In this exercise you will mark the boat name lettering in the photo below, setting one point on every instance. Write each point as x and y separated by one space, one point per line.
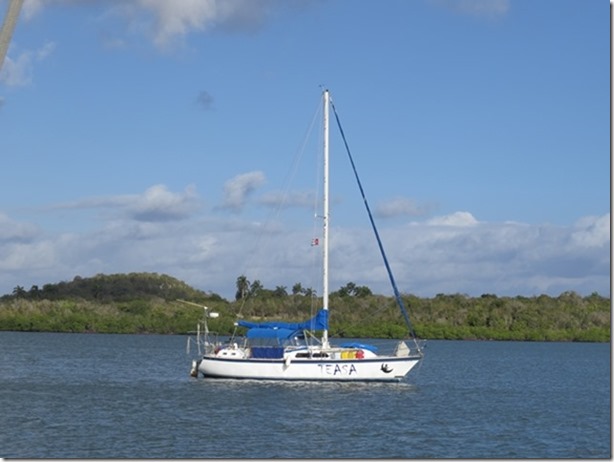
338 369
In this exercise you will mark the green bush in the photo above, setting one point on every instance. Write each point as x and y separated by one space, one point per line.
146 303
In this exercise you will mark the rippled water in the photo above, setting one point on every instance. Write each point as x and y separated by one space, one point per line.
130 396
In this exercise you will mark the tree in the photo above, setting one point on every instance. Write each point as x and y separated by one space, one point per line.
297 289
19 292
352 290
309 292
280 291
34 292
255 288
242 288
362 291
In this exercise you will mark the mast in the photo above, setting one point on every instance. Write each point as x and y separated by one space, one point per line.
325 101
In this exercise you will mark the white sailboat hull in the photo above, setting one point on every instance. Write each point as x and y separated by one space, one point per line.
384 369
276 350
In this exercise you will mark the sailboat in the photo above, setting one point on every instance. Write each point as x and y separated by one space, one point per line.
292 351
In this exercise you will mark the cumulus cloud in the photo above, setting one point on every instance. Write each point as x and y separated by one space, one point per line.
293 199
400 206
31 8
19 71
501 258
592 231
210 252
168 23
160 204
238 189
172 21
455 219
165 23
155 204
14 231
453 257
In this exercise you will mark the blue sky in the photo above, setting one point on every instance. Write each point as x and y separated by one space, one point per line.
151 135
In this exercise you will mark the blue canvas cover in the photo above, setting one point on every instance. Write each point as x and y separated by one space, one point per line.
268 343
318 322
279 334
268 352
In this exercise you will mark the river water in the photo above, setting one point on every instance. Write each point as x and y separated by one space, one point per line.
131 396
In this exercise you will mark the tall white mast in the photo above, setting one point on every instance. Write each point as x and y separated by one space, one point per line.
325 100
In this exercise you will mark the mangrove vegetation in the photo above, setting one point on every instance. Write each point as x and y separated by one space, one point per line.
151 303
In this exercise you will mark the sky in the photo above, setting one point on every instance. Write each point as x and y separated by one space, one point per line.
159 136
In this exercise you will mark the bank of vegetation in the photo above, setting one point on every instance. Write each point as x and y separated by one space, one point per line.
148 303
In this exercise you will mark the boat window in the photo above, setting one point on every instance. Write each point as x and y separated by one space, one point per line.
314 355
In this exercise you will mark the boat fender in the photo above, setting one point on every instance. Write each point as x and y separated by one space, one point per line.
287 361
360 354
194 371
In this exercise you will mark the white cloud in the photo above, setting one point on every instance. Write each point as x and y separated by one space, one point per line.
172 21
400 206
513 258
209 252
31 8
592 231
156 203
237 189
167 23
292 199
160 204
455 219
164 231
39 255
19 71
14 231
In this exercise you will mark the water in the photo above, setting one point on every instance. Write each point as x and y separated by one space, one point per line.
130 396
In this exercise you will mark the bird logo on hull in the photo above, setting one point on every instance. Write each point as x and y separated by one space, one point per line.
385 369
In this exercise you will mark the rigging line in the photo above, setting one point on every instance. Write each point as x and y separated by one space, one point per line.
275 213
315 267
297 158
379 241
